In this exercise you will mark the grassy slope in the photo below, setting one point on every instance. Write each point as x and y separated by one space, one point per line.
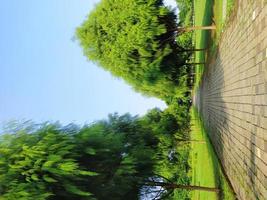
206 170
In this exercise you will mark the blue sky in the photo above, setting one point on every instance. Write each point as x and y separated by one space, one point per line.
43 73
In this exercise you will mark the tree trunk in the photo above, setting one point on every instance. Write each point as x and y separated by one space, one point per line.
188 141
191 187
188 50
200 63
187 29
186 187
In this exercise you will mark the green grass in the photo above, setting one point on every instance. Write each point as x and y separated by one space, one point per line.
208 12
203 172
203 15
206 170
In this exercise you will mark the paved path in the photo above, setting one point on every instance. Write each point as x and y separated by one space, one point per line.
233 100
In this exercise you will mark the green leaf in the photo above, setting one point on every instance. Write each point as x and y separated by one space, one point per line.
68 166
87 173
49 179
90 151
75 190
34 177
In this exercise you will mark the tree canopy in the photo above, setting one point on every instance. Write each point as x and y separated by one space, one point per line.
109 159
135 40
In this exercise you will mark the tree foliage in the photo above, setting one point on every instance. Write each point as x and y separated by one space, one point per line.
185 20
109 159
117 157
40 165
135 40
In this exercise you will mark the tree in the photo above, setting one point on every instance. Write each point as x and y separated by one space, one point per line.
135 40
40 165
169 178
108 159
123 155
192 28
159 187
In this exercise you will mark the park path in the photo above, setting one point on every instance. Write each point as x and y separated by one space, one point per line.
232 99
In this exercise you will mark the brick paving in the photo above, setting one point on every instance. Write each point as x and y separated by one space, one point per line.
232 99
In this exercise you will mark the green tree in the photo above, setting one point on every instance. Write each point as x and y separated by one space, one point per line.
135 40
109 159
40 165
121 151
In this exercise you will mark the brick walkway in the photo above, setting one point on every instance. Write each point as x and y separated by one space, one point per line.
233 100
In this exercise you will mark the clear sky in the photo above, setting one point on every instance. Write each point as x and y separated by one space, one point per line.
43 73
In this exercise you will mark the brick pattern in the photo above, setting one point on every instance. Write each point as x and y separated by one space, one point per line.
232 99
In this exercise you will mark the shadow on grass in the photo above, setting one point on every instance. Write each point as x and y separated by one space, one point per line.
220 180
203 38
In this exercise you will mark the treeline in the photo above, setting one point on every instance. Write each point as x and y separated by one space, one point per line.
117 158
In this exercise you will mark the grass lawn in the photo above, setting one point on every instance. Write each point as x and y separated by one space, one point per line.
209 12
203 16
206 170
